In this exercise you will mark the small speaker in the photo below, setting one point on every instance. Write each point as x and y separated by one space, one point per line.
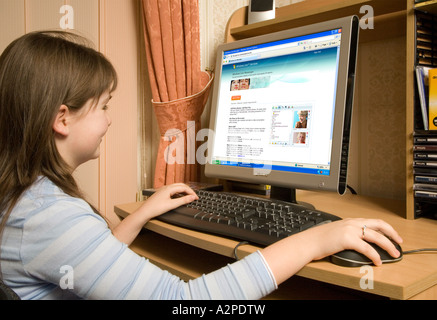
260 10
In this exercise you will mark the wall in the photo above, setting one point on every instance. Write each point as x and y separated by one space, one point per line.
214 15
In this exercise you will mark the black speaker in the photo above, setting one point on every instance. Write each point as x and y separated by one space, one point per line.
260 10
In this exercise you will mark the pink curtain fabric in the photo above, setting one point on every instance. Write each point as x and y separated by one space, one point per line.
179 88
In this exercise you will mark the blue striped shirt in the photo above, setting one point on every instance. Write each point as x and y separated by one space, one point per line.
55 247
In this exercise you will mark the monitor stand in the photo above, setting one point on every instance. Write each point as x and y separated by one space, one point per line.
276 192
287 194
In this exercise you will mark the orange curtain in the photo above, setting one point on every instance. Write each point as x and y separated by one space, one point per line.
179 88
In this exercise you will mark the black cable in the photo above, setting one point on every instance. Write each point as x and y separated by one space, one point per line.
420 250
352 190
236 247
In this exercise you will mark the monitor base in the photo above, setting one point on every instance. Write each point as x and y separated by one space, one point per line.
287 194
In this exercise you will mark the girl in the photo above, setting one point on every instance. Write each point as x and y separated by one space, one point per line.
54 91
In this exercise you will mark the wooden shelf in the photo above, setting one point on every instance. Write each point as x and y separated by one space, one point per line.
182 260
428 6
304 13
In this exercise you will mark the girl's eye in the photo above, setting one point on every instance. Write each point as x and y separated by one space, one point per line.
105 107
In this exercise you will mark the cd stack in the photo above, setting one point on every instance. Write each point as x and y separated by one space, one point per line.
425 119
425 173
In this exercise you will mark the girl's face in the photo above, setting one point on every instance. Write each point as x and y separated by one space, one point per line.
87 130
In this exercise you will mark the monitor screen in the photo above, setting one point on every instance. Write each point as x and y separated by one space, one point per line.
282 105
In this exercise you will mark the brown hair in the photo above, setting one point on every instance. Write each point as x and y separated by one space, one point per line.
39 72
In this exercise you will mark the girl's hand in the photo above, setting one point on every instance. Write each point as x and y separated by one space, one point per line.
168 198
161 201
289 255
349 234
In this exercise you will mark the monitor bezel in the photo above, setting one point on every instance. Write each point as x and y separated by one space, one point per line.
336 180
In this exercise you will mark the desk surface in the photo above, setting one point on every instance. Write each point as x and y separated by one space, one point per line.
413 277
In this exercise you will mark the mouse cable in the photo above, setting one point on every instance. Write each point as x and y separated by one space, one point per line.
420 250
236 247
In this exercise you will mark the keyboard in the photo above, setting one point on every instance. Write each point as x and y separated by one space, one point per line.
245 218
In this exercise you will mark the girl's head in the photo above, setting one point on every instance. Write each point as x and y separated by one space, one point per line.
40 73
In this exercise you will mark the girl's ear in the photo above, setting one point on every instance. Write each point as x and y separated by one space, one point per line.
60 125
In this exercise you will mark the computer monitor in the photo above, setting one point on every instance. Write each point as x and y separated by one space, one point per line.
282 106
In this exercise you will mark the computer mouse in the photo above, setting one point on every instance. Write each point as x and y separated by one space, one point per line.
352 258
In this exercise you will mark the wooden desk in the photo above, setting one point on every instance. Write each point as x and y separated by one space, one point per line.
195 253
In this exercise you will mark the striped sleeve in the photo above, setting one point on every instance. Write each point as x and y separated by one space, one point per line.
70 237
247 279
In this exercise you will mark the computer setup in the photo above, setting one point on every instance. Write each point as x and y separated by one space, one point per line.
281 113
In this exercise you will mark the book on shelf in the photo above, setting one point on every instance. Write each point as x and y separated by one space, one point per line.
425 138
425 174
425 116
432 113
423 90
425 156
425 179
429 195
426 164
425 148
425 190
425 187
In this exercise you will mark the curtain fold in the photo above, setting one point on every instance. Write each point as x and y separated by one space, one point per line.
179 88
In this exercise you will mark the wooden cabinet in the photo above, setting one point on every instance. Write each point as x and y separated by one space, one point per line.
381 162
